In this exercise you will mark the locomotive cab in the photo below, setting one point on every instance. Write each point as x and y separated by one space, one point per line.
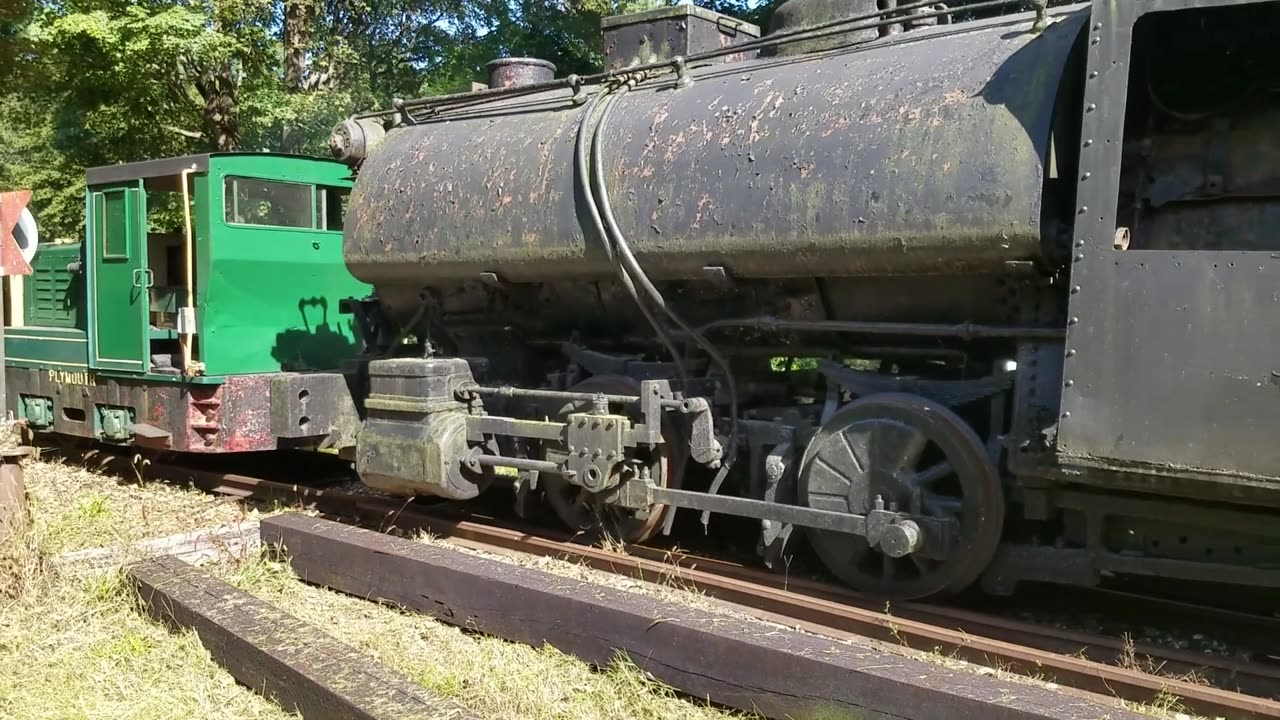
204 285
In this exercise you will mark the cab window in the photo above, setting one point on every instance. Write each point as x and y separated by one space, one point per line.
250 201
273 203
333 206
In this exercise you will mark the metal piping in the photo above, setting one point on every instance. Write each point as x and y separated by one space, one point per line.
827 29
507 391
527 464
189 366
964 331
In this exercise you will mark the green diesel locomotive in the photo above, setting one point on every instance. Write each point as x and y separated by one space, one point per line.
198 314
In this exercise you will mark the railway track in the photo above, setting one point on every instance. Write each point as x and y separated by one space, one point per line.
1212 686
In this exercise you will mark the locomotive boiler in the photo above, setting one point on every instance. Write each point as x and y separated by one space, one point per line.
947 289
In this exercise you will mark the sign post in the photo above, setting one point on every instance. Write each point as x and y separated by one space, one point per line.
13 504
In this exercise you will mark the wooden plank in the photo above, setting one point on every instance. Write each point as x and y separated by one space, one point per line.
732 661
287 660
196 547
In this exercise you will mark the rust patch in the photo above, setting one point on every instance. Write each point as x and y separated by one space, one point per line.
246 413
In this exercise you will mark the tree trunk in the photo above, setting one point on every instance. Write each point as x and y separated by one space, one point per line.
217 85
298 17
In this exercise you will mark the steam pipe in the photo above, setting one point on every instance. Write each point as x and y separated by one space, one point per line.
832 27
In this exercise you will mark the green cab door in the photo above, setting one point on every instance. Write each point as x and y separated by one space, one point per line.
120 278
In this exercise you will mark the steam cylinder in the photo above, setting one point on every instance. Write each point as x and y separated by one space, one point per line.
919 154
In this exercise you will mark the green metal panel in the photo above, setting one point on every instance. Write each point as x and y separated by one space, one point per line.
53 295
117 258
268 293
55 348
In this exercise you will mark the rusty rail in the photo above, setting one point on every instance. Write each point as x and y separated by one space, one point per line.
1069 658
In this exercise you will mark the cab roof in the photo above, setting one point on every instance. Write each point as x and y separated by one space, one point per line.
161 170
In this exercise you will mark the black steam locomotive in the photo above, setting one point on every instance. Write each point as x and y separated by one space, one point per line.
958 294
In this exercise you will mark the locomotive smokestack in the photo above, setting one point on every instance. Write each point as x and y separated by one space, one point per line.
514 72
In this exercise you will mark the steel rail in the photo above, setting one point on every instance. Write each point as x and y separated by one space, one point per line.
1071 659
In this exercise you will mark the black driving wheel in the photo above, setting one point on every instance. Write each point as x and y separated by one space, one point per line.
918 457
589 513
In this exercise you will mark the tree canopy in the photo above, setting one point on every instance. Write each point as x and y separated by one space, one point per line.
93 82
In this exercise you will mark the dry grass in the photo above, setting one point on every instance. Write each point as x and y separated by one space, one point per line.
669 585
492 677
73 647
1165 703
77 509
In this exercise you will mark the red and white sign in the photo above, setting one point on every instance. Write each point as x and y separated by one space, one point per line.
11 206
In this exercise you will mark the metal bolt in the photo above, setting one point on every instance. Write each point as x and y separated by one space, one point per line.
1083 209
1093 74
1079 257
1090 107
1086 176
1088 142
1073 321
1121 239
1075 289
1071 353
1097 26
1069 383
1066 414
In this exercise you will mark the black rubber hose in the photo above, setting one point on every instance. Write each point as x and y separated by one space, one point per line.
580 161
631 266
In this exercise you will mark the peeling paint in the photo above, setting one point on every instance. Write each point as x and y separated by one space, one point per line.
887 159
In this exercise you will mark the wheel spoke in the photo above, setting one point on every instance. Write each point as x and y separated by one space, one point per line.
895 447
937 505
844 459
830 479
928 476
